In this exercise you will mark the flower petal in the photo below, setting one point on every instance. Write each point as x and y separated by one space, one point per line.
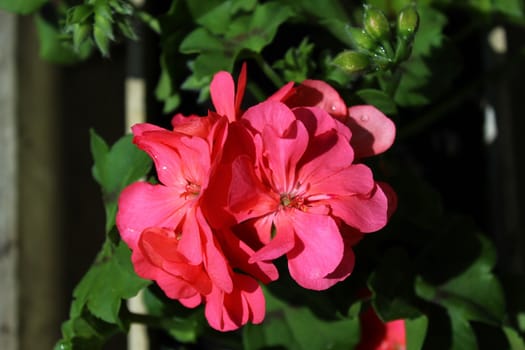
355 179
366 213
320 94
247 198
318 251
269 113
283 93
142 205
238 253
372 131
241 86
216 263
281 244
222 90
229 311
283 154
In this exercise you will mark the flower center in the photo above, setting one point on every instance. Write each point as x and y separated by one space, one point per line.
191 190
289 200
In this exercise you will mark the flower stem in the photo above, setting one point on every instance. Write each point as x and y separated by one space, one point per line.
268 70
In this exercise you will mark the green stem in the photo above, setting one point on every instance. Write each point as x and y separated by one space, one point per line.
268 70
256 91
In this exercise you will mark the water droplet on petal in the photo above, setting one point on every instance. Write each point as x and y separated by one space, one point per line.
364 118
164 168
333 108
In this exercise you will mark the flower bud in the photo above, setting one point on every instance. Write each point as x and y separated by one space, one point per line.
361 39
375 23
407 22
352 61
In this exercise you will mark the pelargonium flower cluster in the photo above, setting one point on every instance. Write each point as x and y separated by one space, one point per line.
238 189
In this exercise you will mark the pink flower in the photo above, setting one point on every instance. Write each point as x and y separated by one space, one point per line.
240 189
303 184
377 335
171 240
372 131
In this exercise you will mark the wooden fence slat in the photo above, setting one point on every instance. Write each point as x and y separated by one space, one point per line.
8 185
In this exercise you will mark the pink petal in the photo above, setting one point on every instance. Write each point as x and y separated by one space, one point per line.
229 311
174 287
167 149
197 150
283 154
160 247
281 244
239 253
391 197
191 302
318 251
190 243
320 94
216 263
366 213
247 196
142 205
372 131
269 113
319 121
141 128
341 272
241 86
355 179
222 90
282 94
192 125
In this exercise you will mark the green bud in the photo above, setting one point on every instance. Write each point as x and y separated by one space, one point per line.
352 61
407 22
361 39
376 24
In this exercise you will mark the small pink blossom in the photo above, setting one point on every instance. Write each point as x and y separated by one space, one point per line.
378 335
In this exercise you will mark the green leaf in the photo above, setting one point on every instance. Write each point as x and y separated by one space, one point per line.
297 62
102 40
378 99
323 10
110 279
250 31
261 26
85 332
183 324
56 50
297 328
116 168
515 340
200 41
22 7
416 331
463 337
475 294
391 284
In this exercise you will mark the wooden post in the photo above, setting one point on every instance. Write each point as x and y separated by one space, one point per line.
135 90
39 193
8 185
